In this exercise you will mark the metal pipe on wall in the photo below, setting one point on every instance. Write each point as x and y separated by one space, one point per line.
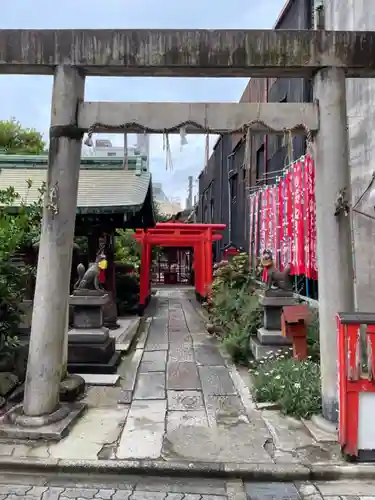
229 161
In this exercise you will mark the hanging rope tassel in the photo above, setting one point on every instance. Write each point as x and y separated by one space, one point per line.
168 152
183 138
288 143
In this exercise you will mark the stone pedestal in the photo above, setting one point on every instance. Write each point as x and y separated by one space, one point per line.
90 348
270 338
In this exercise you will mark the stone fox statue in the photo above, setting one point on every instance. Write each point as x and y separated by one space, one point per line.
89 280
275 277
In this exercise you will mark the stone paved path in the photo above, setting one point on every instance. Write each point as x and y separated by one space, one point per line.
178 399
185 404
101 487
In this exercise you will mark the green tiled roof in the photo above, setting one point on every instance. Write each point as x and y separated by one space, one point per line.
100 189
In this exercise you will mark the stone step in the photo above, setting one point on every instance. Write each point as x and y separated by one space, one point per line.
126 333
272 337
100 378
99 368
261 351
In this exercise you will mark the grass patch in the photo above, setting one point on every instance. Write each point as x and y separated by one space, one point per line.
293 385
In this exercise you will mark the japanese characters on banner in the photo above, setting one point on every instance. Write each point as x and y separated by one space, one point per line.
275 242
251 229
310 241
283 219
299 253
283 243
256 229
262 222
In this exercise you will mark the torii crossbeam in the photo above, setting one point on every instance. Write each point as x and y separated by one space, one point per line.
70 55
178 234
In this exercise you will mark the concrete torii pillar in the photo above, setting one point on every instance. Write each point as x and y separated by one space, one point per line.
48 328
334 237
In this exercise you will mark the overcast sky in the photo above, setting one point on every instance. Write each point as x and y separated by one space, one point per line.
28 98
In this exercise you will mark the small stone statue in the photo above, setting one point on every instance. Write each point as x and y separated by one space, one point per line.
275 277
88 280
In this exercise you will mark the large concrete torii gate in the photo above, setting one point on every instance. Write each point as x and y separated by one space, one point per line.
70 55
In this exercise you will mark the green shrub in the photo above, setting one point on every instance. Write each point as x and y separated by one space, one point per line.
236 343
238 314
313 344
127 288
17 231
294 385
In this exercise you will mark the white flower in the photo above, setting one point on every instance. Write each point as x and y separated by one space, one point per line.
297 385
278 377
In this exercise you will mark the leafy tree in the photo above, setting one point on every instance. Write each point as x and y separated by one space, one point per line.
17 231
15 139
159 217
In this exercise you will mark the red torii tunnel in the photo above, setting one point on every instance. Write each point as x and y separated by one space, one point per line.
178 234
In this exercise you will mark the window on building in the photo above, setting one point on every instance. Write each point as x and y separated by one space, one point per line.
212 217
111 154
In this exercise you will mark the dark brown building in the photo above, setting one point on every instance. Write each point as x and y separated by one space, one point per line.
225 184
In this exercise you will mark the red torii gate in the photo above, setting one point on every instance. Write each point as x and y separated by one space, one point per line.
179 234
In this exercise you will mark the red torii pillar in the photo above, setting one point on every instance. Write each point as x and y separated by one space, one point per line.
144 275
198 236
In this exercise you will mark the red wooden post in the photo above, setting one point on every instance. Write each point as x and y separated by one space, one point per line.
143 276
198 236
148 268
356 389
198 267
293 325
208 260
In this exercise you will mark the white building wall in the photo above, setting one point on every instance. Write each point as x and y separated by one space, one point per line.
359 15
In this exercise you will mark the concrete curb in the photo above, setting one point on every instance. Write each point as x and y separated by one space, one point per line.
225 470
259 472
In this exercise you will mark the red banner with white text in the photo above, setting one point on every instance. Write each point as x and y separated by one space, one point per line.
283 219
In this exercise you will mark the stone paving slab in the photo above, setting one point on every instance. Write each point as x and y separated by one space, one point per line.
222 410
128 370
216 381
144 430
208 354
153 361
176 419
271 491
98 427
98 396
131 488
182 376
142 339
150 386
185 401
181 353
346 488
